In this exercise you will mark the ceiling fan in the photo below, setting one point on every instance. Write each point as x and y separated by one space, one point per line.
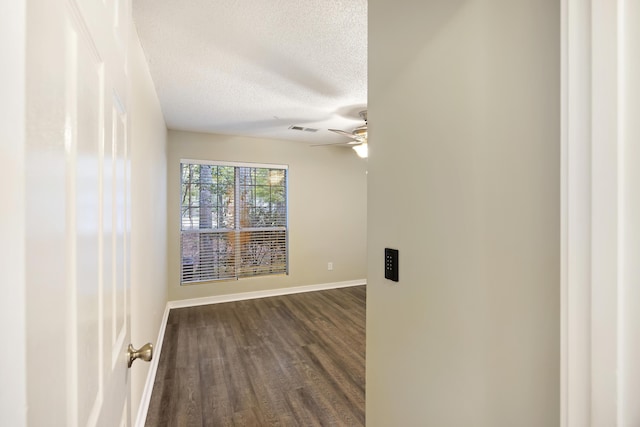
358 137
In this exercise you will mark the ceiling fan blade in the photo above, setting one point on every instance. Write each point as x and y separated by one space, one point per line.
350 143
343 133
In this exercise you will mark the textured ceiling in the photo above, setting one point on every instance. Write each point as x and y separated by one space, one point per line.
254 68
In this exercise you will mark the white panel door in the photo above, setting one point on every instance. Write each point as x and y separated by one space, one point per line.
77 213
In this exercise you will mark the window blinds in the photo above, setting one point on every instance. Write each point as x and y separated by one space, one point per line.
233 221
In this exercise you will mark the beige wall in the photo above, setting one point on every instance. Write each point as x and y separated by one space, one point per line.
327 210
148 213
464 118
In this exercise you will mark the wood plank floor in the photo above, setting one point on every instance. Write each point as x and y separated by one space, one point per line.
294 360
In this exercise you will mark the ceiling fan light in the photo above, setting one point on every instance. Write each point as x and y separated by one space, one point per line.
362 150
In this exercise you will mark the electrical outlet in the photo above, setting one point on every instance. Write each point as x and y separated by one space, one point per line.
330 266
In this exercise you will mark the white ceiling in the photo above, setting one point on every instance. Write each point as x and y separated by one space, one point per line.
256 67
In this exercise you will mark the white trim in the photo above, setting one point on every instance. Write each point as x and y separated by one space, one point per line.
599 232
263 294
13 259
629 302
234 164
620 218
151 375
143 409
564 214
576 214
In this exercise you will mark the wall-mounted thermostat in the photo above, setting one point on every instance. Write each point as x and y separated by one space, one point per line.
391 264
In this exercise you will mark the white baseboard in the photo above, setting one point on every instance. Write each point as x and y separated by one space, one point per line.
143 409
151 376
263 294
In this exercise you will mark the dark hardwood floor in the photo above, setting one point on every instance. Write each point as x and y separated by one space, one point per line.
294 360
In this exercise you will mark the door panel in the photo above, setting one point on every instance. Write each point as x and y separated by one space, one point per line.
120 282
77 213
45 215
89 113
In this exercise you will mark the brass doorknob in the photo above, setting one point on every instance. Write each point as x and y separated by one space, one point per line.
145 353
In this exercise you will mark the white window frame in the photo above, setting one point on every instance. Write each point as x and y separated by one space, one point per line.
238 272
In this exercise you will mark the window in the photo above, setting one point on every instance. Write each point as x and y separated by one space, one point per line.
234 221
